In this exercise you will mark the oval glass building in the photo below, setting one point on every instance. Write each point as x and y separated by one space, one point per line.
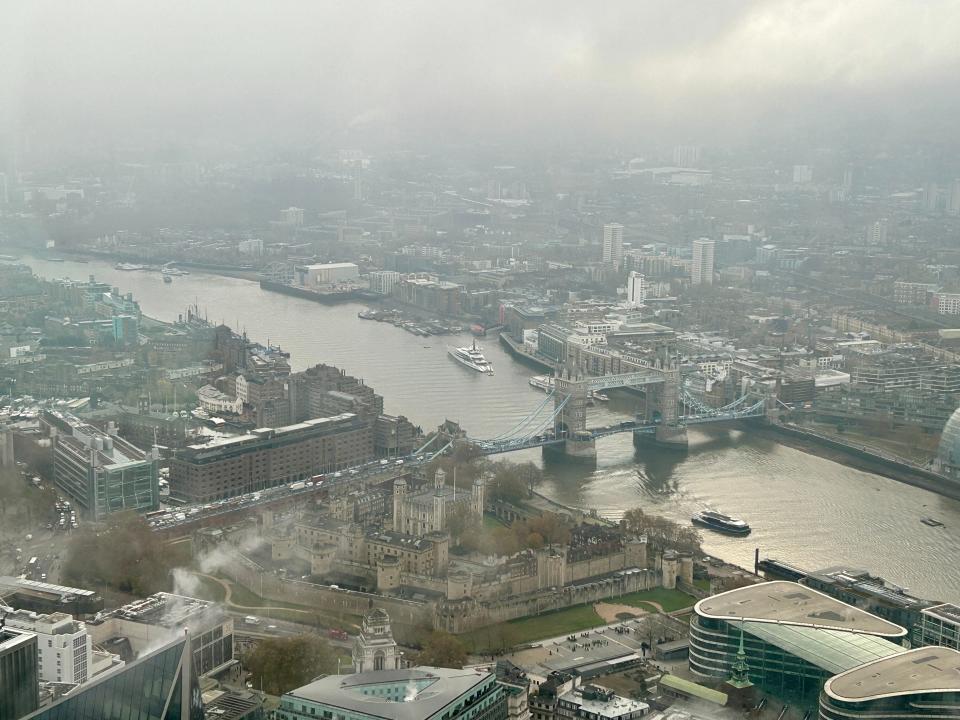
948 453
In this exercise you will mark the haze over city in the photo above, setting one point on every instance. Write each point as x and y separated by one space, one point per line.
496 361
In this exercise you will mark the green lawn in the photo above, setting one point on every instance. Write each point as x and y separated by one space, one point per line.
669 600
703 584
490 522
529 629
210 589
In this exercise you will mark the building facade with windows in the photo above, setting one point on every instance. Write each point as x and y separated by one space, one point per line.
267 457
161 685
64 648
795 638
19 676
939 625
101 472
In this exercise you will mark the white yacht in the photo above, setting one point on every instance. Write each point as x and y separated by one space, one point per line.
472 357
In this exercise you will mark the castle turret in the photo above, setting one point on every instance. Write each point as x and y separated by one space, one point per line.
669 565
399 499
477 495
439 505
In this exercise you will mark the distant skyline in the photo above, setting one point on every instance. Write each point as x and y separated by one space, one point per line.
551 72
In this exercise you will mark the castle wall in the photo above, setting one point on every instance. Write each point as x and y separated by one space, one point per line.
457 616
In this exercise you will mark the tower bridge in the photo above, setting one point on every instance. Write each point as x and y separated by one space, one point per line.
669 410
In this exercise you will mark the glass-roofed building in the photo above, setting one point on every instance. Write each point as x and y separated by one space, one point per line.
795 638
948 452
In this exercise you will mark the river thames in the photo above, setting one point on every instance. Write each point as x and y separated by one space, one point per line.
806 510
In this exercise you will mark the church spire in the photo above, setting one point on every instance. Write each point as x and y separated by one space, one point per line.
739 676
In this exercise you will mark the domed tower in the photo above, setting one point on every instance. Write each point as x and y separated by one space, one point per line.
399 501
375 649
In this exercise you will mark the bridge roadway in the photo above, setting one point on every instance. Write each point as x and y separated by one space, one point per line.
185 516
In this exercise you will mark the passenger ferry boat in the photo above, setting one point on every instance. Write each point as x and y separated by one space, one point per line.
472 357
721 523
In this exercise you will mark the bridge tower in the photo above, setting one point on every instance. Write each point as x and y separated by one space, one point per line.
571 421
669 432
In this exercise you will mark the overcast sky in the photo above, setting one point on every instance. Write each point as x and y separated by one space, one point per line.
490 70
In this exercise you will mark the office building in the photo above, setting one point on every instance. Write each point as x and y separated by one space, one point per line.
419 693
802 174
64 649
267 457
701 271
938 625
292 216
921 683
953 198
636 289
877 232
145 623
161 685
613 245
686 156
562 697
99 471
859 588
253 246
383 282
794 638
913 293
19 677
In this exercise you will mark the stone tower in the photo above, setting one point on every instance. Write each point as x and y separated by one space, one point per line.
399 501
477 496
375 649
439 506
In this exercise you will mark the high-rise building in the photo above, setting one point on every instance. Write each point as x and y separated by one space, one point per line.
636 289
953 198
18 673
877 232
159 685
65 650
613 244
701 272
686 156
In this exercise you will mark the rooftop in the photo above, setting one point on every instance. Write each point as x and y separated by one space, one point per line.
411 694
947 612
921 670
787 603
601 703
166 610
